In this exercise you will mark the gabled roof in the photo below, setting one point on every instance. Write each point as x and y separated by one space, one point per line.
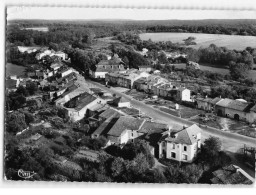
125 123
224 102
150 127
56 64
81 101
237 105
108 113
185 136
253 108
215 100
209 100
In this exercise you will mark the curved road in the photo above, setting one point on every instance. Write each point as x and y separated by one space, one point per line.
173 120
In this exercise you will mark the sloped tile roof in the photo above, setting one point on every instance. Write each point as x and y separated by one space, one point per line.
224 102
215 100
149 127
124 123
237 105
185 136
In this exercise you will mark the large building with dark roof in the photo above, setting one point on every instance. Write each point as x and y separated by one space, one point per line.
76 108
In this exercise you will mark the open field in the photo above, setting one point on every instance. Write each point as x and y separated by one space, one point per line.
224 71
13 69
42 29
204 40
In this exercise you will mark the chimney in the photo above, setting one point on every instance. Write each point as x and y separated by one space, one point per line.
184 126
206 96
169 132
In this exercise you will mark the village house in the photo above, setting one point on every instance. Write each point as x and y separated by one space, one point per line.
50 53
121 102
115 64
125 129
76 108
23 49
145 68
180 94
11 85
67 95
64 72
221 106
180 145
107 119
128 128
193 65
164 89
140 84
204 103
55 66
126 79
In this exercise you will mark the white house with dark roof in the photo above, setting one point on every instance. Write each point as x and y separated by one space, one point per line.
180 145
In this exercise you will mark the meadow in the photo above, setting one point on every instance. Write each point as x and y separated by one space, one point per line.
204 40
13 69
42 29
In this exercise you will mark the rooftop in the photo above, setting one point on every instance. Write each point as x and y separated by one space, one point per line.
237 105
224 102
184 136
125 123
108 113
80 101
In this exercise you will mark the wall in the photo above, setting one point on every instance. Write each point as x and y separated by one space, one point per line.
185 95
231 112
66 73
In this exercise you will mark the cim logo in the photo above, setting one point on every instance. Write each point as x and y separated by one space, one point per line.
25 174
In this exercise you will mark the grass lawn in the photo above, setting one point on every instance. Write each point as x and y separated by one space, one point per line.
187 112
169 111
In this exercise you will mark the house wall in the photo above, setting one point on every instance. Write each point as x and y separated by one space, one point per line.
231 114
66 73
204 105
124 104
99 74
180 152
185 95
251 117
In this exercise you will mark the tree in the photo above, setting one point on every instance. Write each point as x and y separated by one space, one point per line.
29 118
212 145
238 70
15 122
162 58
31 87
117 167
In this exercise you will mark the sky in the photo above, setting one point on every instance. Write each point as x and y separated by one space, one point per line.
49 13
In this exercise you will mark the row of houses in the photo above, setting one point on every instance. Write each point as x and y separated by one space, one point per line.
237 109
177 144
51 53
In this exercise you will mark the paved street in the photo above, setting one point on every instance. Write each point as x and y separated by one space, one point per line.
230 141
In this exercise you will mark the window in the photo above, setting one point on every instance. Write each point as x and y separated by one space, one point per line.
132 134
173 146
185 148
173 154
184 157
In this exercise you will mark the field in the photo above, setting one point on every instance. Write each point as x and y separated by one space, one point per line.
224 71
42 29
12 69
204 40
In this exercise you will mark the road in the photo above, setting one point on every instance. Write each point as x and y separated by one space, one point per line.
230 141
